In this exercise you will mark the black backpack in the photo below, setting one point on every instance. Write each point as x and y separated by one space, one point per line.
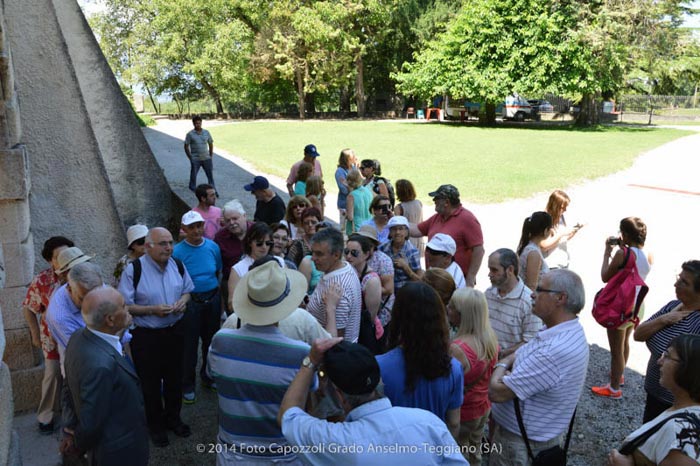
137 271
389 188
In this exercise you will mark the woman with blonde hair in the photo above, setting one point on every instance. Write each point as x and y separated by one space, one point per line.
475 346
315 193
358 201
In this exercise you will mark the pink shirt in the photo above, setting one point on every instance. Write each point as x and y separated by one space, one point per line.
211 220
463 227
476 400
291 179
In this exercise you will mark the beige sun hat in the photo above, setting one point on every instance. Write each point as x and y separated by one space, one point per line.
368 231
268 294
68 258
135 232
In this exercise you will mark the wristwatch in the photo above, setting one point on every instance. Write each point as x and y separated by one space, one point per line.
306 362
501 364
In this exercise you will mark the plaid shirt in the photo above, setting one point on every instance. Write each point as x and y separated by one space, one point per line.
410 253
37 300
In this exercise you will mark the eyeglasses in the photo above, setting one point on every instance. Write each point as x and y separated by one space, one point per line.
264 243
539 289
352 252
666 356
139 242
382 206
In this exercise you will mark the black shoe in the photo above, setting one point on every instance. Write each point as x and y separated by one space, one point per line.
181 429
159 438
46 429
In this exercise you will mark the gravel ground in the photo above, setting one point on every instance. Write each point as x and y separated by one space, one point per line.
660 188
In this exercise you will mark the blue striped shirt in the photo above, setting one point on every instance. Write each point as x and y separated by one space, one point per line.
253 367
547 378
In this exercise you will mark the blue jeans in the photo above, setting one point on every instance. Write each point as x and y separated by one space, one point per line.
201 319
208 167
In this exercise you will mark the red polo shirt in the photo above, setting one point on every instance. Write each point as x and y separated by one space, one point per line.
231 249
463 227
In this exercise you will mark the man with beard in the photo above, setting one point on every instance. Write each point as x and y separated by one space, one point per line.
510 304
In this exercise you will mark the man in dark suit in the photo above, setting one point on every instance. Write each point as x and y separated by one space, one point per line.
109 421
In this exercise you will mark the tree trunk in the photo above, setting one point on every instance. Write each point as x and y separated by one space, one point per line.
488 115
360 87
300 92
150 96
211 90
344 105
311 103
588 112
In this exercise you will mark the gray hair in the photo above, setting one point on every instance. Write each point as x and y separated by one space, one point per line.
86 274
333 237
233 206
507 258
570 283
94 318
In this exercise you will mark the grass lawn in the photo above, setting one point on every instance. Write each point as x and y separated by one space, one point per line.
486 164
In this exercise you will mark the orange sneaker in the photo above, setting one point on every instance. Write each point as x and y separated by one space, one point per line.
607 391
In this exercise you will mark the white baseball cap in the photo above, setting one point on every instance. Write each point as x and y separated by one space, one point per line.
397 221
192 217
442 242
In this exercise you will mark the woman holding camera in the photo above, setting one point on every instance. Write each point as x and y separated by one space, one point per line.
633 233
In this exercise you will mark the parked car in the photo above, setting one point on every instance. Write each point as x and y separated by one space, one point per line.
543 106
519 109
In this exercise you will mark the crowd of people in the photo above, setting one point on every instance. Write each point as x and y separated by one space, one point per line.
335 345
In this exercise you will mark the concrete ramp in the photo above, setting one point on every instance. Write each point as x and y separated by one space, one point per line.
92 171
73 162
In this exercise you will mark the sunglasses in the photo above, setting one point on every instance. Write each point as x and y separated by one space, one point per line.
264 243
352 252
436 253
139 242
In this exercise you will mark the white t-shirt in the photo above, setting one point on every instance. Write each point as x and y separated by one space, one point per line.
676 434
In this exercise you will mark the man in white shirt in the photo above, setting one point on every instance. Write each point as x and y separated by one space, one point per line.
442 249
546 374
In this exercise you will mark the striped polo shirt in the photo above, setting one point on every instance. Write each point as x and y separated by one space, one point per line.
347 313
511 315
253 366
659 342
547 378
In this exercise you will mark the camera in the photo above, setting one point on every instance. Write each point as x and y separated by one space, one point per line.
613 241
385 209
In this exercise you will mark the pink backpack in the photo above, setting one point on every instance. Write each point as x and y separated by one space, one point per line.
620 299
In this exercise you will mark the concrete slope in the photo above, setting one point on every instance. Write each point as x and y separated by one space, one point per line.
92 171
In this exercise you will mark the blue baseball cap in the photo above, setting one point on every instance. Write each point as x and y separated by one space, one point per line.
310 150
259 182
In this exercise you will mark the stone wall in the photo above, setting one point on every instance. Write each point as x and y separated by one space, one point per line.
16 248
92 172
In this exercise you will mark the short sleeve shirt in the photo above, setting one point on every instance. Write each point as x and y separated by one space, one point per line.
199 144
291 179
37 300
347 314
463 227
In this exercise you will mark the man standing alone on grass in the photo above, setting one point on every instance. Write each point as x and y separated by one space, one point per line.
199 148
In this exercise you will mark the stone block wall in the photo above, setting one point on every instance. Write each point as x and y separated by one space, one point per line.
16 246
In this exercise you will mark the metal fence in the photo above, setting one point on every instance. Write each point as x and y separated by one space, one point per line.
672 105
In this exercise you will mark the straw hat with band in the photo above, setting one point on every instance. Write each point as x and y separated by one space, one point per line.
268 294
68 258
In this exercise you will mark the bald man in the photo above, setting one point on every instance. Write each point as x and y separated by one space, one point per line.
156 288
109 422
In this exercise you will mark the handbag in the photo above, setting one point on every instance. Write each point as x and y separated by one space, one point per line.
619 301
554 456
629 447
